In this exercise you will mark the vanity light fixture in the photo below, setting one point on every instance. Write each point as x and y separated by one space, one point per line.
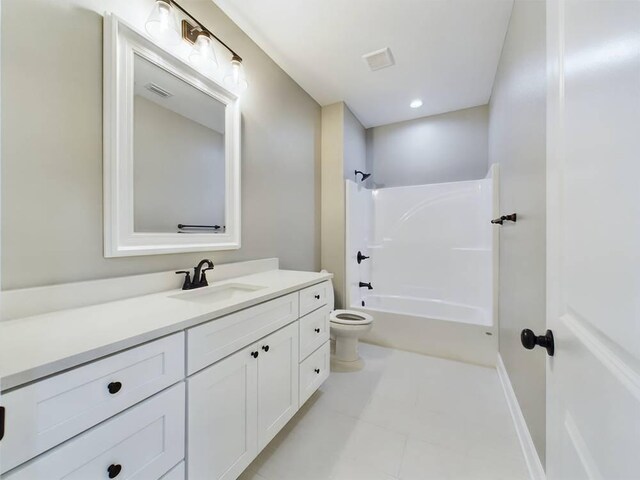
162 24
417 103
203 54
236 78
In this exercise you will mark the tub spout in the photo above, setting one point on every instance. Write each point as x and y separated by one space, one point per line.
368 285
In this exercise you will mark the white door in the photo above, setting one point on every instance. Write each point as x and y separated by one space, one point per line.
593 173
277 382
222 417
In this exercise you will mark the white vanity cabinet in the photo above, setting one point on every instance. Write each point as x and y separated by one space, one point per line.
44 414
239 404
199 403
277 382
144 442
222 420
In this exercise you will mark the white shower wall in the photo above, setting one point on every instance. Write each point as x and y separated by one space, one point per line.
431 249
359 232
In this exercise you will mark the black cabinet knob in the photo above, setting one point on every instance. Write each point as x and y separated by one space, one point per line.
317 297
114 387
530 340
254 354
265 348
317 370
317 330
114 470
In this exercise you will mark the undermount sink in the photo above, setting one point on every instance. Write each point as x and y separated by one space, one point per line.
217 293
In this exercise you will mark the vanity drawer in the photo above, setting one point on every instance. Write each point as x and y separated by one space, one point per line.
314 297
48 412
144 442
220 338
314 331
314 371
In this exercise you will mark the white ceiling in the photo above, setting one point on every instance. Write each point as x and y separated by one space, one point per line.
446 51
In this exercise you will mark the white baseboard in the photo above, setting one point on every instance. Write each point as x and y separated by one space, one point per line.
536 471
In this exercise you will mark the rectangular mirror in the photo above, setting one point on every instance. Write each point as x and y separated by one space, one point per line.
178 154
171 152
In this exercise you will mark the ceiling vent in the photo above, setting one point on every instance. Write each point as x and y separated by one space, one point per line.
158 90
379 59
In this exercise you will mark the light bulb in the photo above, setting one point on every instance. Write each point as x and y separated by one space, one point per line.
417 103
203 54
162 24
236 78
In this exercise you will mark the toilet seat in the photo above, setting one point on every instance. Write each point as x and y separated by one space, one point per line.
350 317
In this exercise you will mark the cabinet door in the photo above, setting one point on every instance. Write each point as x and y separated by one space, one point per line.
222 411
277 382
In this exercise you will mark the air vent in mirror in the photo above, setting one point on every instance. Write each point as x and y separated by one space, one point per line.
158 90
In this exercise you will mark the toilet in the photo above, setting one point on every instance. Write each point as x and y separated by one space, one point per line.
347 326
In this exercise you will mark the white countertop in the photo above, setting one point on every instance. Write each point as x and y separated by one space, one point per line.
37 346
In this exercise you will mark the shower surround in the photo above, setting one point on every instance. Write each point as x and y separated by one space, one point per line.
432 266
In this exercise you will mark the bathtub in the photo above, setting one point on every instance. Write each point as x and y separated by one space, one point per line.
431 327
432 262
428 308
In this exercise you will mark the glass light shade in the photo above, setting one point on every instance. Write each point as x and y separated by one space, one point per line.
203 55
162 23
236 78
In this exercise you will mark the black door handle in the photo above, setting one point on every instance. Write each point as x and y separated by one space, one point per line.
317 370
254 354
317 330
530 340
317 297
114 470
265 348
114 387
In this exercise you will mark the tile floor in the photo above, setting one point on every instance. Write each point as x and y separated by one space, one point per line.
403 417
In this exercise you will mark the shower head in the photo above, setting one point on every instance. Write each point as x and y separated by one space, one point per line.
364 175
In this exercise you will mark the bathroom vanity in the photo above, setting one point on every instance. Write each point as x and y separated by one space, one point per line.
167 385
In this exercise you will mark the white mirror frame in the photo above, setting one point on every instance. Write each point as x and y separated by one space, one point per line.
121 43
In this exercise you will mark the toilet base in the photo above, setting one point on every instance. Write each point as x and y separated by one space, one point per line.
347 349
344 367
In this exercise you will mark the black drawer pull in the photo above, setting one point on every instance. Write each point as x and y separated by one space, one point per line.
114 387
114 470
317 330
265 348
2 414
317 297
254 354
317 370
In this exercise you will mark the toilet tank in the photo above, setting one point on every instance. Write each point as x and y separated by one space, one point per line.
330 297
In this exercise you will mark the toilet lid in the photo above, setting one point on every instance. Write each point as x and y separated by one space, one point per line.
350 317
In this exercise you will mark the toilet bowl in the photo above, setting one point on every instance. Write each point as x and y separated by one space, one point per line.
347 326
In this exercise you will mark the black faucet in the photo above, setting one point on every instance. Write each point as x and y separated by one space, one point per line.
199 275
368 285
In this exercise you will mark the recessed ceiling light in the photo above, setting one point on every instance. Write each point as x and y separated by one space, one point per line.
417 103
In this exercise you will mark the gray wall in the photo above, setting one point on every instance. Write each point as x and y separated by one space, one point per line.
52 148
517 141
355 145
178 174
440 148
343 151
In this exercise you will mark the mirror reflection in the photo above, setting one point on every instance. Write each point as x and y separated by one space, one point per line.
179 154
